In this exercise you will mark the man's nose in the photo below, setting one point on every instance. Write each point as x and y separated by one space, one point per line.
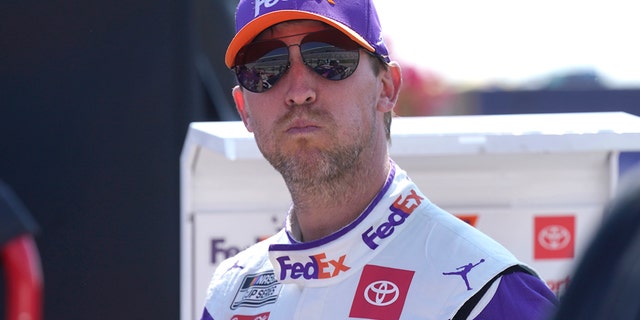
302 80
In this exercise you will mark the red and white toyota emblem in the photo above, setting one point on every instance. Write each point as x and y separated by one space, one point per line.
554 237
381 293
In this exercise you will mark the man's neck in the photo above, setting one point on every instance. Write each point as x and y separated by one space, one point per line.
323 209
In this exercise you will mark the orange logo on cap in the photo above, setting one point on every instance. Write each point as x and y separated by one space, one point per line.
332 1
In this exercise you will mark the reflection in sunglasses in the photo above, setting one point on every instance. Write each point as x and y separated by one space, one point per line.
329 53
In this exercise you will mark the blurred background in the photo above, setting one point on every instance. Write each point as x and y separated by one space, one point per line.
501 56
96 97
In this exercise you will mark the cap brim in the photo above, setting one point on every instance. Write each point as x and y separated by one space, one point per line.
259 24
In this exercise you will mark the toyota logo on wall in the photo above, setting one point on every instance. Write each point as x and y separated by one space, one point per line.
554 237
381 293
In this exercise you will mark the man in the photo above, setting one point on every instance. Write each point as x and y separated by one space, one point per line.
317 89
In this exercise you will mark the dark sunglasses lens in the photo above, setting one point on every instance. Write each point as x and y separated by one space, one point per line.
329 61
261 64
330 53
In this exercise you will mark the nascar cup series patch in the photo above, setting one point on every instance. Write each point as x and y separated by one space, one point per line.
257 290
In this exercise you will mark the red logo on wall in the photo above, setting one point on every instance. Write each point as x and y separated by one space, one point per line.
554 237
381 293
470 219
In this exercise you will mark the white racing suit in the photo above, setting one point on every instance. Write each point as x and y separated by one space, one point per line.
403 258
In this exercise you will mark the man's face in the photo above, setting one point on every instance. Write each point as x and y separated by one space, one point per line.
311 129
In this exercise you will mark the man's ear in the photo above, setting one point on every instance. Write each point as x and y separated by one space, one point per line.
391 83
238 98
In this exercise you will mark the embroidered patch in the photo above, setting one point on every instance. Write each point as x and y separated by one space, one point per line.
257 290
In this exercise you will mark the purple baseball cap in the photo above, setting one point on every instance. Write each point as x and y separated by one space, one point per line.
357 19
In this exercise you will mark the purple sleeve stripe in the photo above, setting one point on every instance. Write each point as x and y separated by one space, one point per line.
520 296
206 315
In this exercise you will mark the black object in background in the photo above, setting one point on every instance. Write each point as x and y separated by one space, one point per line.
606 282
15 219
95 100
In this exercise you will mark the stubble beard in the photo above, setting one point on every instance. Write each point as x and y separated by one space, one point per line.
324 173
320 172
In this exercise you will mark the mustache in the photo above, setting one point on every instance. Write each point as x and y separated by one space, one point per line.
304 113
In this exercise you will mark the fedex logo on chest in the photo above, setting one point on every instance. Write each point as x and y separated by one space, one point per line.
400 211
318 267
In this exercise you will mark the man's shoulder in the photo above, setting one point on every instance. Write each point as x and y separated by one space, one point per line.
235 278
518 295
252 260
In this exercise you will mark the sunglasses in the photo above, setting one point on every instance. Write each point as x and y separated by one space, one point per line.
329 53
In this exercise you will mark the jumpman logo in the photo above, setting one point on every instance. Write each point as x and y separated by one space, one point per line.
235 266
463 271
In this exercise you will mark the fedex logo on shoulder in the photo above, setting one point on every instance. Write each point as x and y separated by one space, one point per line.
400 211
319 267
